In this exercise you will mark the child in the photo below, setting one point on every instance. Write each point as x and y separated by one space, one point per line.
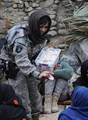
10 105
79 108
56 89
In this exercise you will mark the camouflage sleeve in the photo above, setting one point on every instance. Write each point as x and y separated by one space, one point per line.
21 58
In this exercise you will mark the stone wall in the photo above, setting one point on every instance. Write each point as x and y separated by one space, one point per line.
15 11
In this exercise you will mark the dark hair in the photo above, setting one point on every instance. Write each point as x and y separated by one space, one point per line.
37 18
83 79
44 20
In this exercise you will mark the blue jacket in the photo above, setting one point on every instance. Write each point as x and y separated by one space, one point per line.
79 108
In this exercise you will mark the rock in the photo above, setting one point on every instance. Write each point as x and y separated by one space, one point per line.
51 12
29 9
16 1
52 16
46 3
53 28
61 25
20 6
54 22
26 4
62 46
57 1
30 12
54 7
34 5
14 6
57 10
52 33
25 18
62 32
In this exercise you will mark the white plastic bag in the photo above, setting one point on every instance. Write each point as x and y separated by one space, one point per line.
47 58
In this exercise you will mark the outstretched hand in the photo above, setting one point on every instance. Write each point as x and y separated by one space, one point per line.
45 74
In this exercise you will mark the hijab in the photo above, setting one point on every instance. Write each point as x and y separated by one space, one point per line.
34 28
79 108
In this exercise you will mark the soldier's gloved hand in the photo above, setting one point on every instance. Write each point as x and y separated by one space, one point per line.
44 74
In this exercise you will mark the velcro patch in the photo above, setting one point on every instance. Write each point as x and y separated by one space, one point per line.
18 48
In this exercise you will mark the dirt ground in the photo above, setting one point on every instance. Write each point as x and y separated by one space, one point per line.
53 116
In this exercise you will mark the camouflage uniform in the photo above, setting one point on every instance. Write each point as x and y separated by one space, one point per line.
22 44
25 83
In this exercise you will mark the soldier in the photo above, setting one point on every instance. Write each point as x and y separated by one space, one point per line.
24 42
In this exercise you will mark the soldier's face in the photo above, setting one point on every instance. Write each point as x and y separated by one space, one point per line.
43 28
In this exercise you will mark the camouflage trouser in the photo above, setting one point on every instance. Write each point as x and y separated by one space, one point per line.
56 87
35 97
19 84
27 89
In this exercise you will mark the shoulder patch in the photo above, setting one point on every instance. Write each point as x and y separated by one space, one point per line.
18 48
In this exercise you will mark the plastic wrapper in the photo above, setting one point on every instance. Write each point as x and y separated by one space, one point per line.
47 58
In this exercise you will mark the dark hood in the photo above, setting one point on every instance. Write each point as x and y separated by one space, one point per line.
6 93
83 79
33 28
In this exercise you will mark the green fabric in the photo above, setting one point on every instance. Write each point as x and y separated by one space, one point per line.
82 12
65 71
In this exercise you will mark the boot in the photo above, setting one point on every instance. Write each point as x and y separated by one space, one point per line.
35 117
55 107
47 104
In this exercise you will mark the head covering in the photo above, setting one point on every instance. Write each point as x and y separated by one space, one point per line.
7 94
83 79
13 112
79 108
33 25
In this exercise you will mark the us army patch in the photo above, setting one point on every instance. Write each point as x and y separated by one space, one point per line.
18 48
